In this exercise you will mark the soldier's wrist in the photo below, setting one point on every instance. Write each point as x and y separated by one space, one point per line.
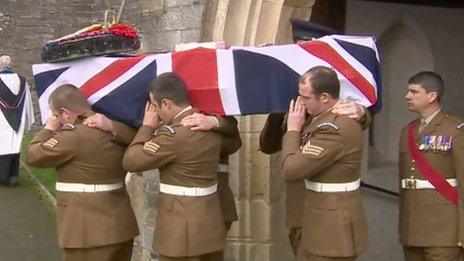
217 124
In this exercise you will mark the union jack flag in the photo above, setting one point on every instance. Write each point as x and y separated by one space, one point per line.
234 81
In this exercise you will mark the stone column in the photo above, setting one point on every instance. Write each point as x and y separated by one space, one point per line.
260 233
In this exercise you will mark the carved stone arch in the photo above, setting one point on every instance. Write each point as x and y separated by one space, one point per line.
404 51
260 233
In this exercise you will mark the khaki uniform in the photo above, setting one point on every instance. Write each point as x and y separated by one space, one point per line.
329 150
230 143
186 226
430 225
87 222
271 142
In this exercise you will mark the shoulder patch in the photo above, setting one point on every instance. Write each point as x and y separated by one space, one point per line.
328 124
150 147
312 149
51 143
460 126
165 127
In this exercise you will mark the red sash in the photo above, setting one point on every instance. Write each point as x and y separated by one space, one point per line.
427 170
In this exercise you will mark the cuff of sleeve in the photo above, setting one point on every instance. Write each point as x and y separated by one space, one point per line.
43 135
219 123
122 133
144 134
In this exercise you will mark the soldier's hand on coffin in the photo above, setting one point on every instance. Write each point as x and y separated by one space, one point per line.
99 121
296 115
53 123
199 121
151 117
350 109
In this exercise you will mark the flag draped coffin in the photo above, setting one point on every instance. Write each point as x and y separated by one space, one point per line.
234 81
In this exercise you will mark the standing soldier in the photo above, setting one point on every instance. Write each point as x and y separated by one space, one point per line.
327 154
189 223
271 135
431 167
94 216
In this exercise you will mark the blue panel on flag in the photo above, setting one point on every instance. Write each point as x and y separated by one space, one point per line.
43 80
264 84
366 56
127 102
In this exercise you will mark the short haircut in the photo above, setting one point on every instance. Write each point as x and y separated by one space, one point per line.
323 80
169 86
5 61
430 81
70 97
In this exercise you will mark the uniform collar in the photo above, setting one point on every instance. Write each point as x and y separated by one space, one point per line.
180 115
430 118
436 120
6 69
324 112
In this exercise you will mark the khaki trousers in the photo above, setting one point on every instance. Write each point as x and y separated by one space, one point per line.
116 252
216 256
432 253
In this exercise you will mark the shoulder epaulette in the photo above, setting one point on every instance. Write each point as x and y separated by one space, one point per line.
68 126
328 124
167 127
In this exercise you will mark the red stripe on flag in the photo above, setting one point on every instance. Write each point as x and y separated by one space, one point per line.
198 68
109 74
328 54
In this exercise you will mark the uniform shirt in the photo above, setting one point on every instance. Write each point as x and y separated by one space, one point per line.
329 150
10 140
81 154
185 225
428 219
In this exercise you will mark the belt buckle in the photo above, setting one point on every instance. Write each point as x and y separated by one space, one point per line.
90 188
410 183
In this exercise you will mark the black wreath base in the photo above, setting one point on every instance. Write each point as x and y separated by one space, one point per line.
99 45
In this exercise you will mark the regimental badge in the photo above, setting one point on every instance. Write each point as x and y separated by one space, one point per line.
150 147
312 149
51 143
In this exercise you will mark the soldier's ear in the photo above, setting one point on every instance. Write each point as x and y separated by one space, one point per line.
433 97
324 97
166 104
65 113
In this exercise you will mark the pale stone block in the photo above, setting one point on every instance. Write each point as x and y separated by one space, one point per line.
191 35
260 229
178 3
237 21
251 123
266 27
182 18
151 7
165 41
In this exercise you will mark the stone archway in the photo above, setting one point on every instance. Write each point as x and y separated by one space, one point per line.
404 50
260 233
